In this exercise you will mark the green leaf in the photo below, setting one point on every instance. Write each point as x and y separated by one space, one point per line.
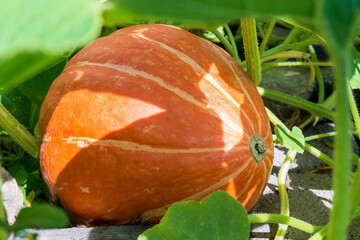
293 140
206 12
40 215
30 63
17 104
18 172
36 87
36 182
36 33
355 69
4 225
218 216
355 159
337 21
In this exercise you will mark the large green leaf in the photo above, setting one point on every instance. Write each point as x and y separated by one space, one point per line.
35 33
40 215
218 216
18 105
206 12
337 19
36 87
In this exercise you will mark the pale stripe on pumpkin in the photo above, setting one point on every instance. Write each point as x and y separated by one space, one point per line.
230 125
83 142
249 97
201 72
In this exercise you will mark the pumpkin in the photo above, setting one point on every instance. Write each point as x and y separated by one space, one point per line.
148 116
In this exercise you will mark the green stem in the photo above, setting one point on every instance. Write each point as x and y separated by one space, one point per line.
293 33
323 135
356 214
329 102
224 41
18 132
292 46
260 30
233 44
317 136
340 214
275 218
318 74
317 153
314 108
354 109
286 55
284 199
321 234
252 56
355 192
267 35
285 64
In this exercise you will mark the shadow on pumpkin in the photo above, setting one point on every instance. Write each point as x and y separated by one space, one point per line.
180 140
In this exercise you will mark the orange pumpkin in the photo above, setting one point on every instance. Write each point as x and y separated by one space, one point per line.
148 116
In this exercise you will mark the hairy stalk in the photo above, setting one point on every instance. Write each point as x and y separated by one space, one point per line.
18 132
252 56
284 199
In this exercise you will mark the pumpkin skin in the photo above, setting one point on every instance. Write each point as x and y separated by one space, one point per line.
148 116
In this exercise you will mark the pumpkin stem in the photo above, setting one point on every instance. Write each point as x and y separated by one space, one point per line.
258 148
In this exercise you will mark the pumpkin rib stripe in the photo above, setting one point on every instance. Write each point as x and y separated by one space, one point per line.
236 75
267 133
258 194
83 142
245 188
224 181
268 151
264 182
200 71
247 95
230 125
